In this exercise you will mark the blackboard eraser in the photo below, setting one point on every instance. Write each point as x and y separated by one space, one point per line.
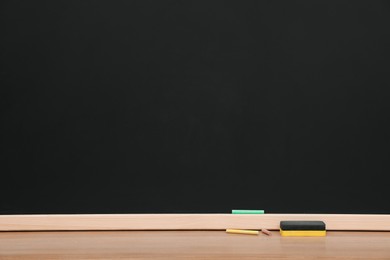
302 228
302 225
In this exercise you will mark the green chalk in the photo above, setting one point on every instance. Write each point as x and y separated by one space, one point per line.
246 211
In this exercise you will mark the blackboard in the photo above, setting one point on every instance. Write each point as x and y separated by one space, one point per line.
194 106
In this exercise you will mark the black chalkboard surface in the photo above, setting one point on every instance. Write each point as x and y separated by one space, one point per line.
194 106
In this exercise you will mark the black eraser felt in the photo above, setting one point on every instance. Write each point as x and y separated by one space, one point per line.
302 225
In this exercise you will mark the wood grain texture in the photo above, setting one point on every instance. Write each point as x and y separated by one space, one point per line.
186 221
191 245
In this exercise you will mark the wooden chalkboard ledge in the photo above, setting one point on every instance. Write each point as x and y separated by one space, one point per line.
354 222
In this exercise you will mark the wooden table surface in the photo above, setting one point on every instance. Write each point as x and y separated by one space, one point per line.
191 245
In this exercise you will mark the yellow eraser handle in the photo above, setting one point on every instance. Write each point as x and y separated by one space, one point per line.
303 233
242 231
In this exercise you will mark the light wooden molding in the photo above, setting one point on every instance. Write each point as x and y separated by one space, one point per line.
185 221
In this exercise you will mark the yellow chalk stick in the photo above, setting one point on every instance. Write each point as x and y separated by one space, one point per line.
242 231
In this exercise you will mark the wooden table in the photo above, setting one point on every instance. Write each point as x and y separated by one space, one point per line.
191 245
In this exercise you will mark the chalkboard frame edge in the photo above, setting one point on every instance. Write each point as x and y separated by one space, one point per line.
105 222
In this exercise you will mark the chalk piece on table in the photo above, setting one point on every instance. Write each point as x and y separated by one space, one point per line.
247 211
242 231
265 231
